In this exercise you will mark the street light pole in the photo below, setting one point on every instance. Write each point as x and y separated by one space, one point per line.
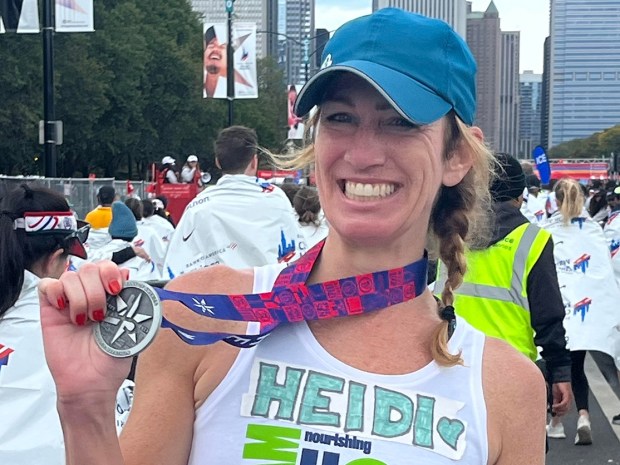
230 65
49 114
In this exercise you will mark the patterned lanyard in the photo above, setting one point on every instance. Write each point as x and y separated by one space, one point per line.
291 300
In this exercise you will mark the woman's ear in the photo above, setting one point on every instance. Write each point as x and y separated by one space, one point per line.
55 264
460 161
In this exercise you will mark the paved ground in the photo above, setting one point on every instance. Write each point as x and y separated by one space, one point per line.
604 403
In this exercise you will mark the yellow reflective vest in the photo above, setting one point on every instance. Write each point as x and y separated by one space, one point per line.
493 296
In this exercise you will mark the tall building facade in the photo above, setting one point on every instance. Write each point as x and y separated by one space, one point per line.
509 93
584 94
296 39
546 91
453 12
530 108
484 40
264 13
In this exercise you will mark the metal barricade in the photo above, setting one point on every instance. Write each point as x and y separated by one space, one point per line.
81 193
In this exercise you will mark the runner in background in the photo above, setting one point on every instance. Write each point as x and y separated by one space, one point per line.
589 291
241 221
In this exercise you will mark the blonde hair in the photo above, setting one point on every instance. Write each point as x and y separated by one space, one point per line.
459 219
570 199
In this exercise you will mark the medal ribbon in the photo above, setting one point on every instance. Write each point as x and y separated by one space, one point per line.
291 300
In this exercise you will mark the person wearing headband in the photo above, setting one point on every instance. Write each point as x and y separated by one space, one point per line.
38 232
399 168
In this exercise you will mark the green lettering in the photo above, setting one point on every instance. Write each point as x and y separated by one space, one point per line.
314 406
387 402
355 407
268 390
272 445
423 422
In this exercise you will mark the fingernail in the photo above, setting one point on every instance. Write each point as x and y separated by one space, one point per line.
61 303
115 286
80 319
98 315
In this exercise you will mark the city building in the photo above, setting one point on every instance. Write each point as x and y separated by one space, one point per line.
509 93
584 79
296 40
484 40
264 13
453 12
546 91
530 107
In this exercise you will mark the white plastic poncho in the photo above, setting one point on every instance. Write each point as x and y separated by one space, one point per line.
242 221
139 269
587 283
30 431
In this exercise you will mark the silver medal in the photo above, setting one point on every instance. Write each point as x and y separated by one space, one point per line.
131 321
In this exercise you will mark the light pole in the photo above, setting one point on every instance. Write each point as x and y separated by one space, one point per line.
230 66
49 114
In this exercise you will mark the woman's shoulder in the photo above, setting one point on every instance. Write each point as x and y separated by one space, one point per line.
515 395
509 378
217 279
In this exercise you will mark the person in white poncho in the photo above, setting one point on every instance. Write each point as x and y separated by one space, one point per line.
38 232
242 221
590 293
123 229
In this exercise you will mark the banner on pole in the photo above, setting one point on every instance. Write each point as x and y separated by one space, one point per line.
215 59
74 16
295 123
21 16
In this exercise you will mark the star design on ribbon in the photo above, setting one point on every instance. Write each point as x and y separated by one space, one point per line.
202 305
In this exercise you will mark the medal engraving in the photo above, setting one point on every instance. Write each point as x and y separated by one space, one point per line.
132 319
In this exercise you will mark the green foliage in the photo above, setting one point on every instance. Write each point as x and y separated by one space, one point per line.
600 144
128 94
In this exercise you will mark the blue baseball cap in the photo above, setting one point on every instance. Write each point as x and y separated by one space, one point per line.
419 64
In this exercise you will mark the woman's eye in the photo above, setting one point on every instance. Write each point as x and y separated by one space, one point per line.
338 118
401 123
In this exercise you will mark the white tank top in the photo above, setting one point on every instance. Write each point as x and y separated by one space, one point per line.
287 401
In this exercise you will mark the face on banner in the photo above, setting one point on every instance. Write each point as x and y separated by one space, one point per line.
295 124
215 60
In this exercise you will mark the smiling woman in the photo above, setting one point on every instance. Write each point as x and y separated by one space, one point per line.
370 367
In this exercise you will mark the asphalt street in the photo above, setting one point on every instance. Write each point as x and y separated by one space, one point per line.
604 403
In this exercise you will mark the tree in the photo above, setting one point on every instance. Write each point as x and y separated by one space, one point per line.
128 94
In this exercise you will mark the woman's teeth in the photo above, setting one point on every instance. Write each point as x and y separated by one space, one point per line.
359 191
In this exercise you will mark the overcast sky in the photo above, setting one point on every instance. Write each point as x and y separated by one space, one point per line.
531 17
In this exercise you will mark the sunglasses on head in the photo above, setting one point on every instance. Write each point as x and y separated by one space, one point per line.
73 243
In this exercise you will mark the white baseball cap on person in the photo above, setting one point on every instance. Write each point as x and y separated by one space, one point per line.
167 160
192 158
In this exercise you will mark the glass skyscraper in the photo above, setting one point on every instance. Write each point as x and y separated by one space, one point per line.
584 80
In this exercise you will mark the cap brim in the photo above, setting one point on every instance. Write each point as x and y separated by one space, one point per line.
409 97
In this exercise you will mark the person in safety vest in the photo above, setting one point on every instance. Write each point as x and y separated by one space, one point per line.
511 291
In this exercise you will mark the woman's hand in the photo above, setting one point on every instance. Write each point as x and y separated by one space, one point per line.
69 306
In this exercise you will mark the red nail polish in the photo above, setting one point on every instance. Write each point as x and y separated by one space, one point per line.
61 303
80 319
115 287
98 315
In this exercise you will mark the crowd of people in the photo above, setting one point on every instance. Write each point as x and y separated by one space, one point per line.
374 364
